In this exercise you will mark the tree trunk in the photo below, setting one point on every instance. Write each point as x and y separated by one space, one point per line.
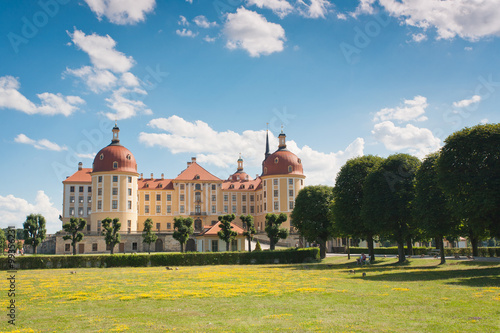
249 245
369 241
348 249
112 248
441 250
474 242
227 246
182 247
74 249
271 245
149 248
322 249
34 249
401 250
409 246
437 240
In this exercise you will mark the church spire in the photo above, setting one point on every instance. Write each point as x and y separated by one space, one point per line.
267 142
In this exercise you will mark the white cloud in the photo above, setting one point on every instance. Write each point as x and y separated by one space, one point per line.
14 210
122 11
468 48
413 109
250 31
279 7
420 37
126 107
364 7
221 148
102 53
186 33
190 1
418 141
130 80
89 156
313 8
342 16
42 144
97 80
209 39
51 104
466 102
183 21
202 22
468 19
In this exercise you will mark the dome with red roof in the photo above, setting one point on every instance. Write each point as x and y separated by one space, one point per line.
115 157
282 161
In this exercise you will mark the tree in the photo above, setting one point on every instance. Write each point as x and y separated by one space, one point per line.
273 230
34 230
387 194
311 215
226 233
3 241
430 206
257 246
249 225
348 192
183 228
111 230
148 235
469 173
74 228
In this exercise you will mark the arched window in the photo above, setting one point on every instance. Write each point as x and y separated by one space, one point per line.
265 170
115 165
101 157
276 160
129 157
197 186
290 168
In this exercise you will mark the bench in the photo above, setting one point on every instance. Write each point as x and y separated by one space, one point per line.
435 252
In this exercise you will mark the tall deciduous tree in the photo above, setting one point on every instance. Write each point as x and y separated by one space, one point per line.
311 215
74 227
148 235
3 241
226 232
111 230
273 230
387 195
430 205
183 229
348 191
469 173
249 225
34 230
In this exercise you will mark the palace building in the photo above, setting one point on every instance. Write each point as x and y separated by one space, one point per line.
113 188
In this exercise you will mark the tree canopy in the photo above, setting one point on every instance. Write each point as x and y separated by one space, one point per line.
469 173
311 214
273 228
74 227
226 232
387 195
34 230
183 229
111 230
348 191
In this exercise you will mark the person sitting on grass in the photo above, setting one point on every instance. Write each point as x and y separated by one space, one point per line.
361 260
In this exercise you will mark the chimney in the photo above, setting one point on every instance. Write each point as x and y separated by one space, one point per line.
189 163
162 176
152 177
80 166
141 176
193 159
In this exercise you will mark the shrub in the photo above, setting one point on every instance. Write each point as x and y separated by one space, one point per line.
257 246
288 256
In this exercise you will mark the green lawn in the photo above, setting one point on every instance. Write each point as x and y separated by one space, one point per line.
419 297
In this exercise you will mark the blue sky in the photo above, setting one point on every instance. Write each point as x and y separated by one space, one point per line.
202 78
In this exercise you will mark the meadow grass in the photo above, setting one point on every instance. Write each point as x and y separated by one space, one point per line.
420 296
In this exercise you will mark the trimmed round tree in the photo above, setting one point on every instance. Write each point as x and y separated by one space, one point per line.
249 225
226 232
273 228
148 235
34 230
387 195
311 214
74 228
111 230
183 229
348 191
469 173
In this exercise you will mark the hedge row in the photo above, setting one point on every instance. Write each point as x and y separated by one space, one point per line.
483 251
289 256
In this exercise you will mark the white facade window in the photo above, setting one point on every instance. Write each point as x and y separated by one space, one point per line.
276 205
115 204
71 211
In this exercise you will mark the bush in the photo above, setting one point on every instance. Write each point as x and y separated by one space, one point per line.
289 256
258 247
483 251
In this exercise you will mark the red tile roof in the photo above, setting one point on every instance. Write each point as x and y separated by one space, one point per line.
193 170
155 184
242 185
115 152
81 176
215 229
